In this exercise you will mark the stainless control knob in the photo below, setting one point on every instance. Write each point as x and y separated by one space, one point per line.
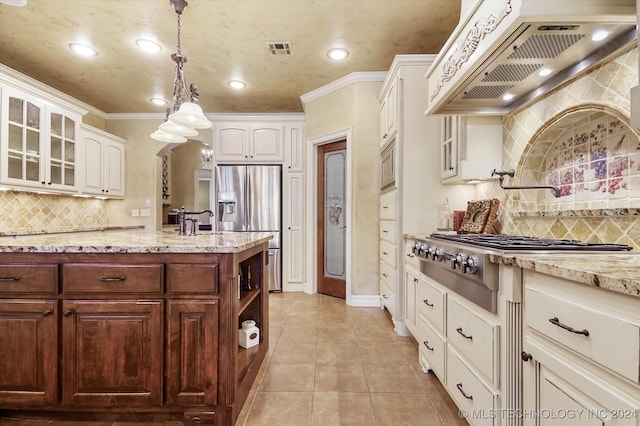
431 252
471 265
439 254
416 248
424 247
457 261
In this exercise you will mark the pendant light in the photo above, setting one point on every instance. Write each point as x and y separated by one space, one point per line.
184 116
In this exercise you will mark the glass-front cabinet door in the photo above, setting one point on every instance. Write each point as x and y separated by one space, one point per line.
37 143
22 134
449 146
61 167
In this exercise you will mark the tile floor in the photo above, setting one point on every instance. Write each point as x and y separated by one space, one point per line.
330 364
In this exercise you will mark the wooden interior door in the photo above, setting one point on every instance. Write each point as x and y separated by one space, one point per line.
331 226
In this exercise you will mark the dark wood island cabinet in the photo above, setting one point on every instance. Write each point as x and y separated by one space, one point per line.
133 327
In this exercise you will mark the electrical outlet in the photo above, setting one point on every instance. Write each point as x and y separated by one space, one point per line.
147 203
135 212
145 212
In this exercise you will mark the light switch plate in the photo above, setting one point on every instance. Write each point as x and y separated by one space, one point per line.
135 212
145 212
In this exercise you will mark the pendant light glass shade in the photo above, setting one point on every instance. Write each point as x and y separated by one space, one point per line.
176 129
162 136
190 115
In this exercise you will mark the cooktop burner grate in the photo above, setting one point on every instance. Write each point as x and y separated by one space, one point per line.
521 242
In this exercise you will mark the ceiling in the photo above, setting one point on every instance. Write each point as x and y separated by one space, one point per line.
222 39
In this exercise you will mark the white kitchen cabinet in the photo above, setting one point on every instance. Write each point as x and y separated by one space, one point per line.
38 143
293 238
402 136
249 142
470 147
411 288
294 148
581 353
103 158
389 111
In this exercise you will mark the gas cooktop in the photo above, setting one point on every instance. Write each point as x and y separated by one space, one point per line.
520 242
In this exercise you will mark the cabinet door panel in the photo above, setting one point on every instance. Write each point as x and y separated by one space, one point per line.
294 149
29 355
232 143
114 170
93 165
112 353
266 144
192 365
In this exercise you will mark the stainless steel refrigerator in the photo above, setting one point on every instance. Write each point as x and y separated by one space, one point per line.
249 199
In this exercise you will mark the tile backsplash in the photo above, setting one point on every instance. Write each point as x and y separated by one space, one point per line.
25 212
579 139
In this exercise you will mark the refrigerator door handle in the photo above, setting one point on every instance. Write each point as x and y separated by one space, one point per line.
247 201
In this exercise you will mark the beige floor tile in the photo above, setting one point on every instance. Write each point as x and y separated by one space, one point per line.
304 319
288 378
391 378
326 335
345 409
334 351
340 377
281 409
338 319
294 352
377 334
382 353
299 334
400 409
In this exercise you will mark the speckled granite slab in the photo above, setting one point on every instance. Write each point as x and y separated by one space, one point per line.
67 230
616 272
134 241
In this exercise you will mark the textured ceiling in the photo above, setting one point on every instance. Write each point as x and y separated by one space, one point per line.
222 39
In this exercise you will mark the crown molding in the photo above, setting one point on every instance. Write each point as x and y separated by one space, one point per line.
354 77
47 93
242 117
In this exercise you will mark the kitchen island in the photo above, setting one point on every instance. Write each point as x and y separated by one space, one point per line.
130 325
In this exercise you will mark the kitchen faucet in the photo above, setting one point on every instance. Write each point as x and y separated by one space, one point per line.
182 220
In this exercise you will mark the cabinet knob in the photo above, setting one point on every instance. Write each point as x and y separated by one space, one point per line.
66 313
526 356
289 228
47 313
43 182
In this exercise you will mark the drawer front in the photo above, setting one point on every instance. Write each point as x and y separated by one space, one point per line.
474 337
388 253
111 278
17 278
388 299
604 338
468 390
388 276
388 205
431 301
192 278
432 347
388 231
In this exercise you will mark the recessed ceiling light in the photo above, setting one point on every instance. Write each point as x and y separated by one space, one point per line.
338 53
14 2
148 45
544 72
507 96
83 49
237 84
159 101
599 35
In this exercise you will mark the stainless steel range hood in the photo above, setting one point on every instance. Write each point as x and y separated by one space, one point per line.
496 58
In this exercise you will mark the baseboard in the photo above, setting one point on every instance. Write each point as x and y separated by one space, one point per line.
291 287
369 301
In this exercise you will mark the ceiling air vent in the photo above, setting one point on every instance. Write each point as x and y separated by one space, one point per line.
280 48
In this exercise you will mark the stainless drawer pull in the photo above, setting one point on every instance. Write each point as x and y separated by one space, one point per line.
459 386
556 321
111 279
410 255
426 302
9 279
459 330
426 343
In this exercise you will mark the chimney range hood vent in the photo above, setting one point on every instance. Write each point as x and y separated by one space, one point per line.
505 53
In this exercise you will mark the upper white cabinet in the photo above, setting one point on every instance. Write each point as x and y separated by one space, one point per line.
294 148
389 111
38 143
103 157
471 147
249 142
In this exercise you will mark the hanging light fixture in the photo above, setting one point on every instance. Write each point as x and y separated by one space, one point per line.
184 115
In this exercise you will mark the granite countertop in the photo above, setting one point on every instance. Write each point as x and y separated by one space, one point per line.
134 241
618 272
